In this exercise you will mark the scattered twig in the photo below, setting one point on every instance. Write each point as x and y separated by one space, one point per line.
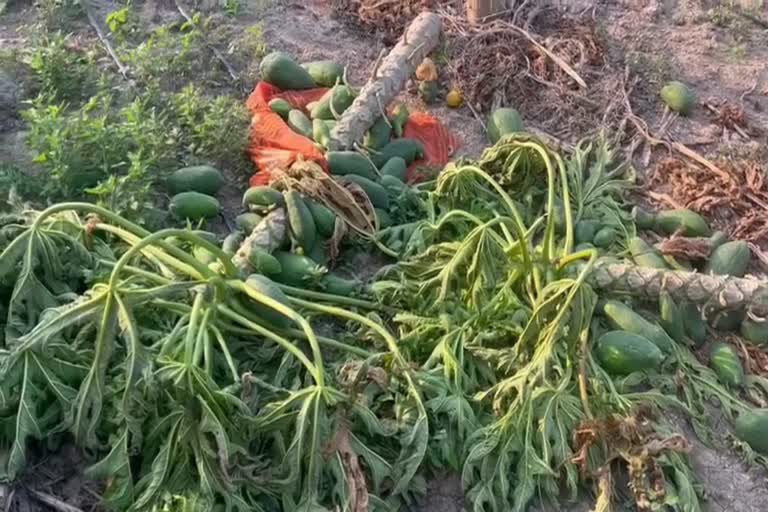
519 10
415 50
53 502
642 127
383 112
376 64
556 59
219 56
753 18
665 198
477 116
754 86
92 19
8 498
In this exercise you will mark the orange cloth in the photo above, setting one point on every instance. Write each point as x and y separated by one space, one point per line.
439 143
273 144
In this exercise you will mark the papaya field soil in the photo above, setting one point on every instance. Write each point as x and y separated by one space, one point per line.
712 46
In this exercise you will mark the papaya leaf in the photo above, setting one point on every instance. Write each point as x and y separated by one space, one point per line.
413 447
116 468
136 363
27 420
91 394
151 484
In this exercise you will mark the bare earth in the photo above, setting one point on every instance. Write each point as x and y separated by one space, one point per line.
659 40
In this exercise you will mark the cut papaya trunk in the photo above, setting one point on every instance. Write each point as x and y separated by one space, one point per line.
418 41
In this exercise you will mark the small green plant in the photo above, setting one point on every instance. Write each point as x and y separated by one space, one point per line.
232 7
62 68
99 147
245 50
25 185
214 128
175 55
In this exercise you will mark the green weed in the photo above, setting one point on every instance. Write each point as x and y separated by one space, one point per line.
62 67
120 154
13 178
172 54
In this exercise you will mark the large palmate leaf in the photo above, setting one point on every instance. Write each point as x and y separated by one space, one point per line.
116 468
45 263
45 398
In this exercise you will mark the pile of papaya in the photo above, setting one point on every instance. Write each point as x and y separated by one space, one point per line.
645 343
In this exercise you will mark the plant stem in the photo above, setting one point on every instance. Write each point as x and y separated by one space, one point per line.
336 299
290 313
516 217
287 345
388 338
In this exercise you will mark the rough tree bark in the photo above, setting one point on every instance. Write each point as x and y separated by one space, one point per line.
715 293
419 39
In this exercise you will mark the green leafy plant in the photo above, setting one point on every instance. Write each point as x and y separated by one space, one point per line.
119 154
62 68
200 388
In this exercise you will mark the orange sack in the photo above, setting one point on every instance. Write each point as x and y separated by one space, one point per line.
273 144
439 143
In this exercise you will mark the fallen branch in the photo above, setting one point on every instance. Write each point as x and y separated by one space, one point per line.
419 39
89 8
53 502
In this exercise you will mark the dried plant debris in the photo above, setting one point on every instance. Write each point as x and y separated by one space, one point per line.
489 58
731 117
687 248
387 16
735 200
634 440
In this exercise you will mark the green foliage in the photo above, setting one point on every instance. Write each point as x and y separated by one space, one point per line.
175 55
120 153
61 68
212 128
148 360
27 186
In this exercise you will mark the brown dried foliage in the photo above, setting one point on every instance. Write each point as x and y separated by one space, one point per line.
633 440
353 471
732 117
390 17
497 59
735 200
754 358
686 248
347 202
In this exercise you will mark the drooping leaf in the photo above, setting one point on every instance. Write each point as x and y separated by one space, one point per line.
116 468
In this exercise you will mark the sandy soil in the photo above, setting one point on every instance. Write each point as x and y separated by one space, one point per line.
723 58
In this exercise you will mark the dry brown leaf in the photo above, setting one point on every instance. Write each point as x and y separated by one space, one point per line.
733 195
687 248
355 209
634 440
356 485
